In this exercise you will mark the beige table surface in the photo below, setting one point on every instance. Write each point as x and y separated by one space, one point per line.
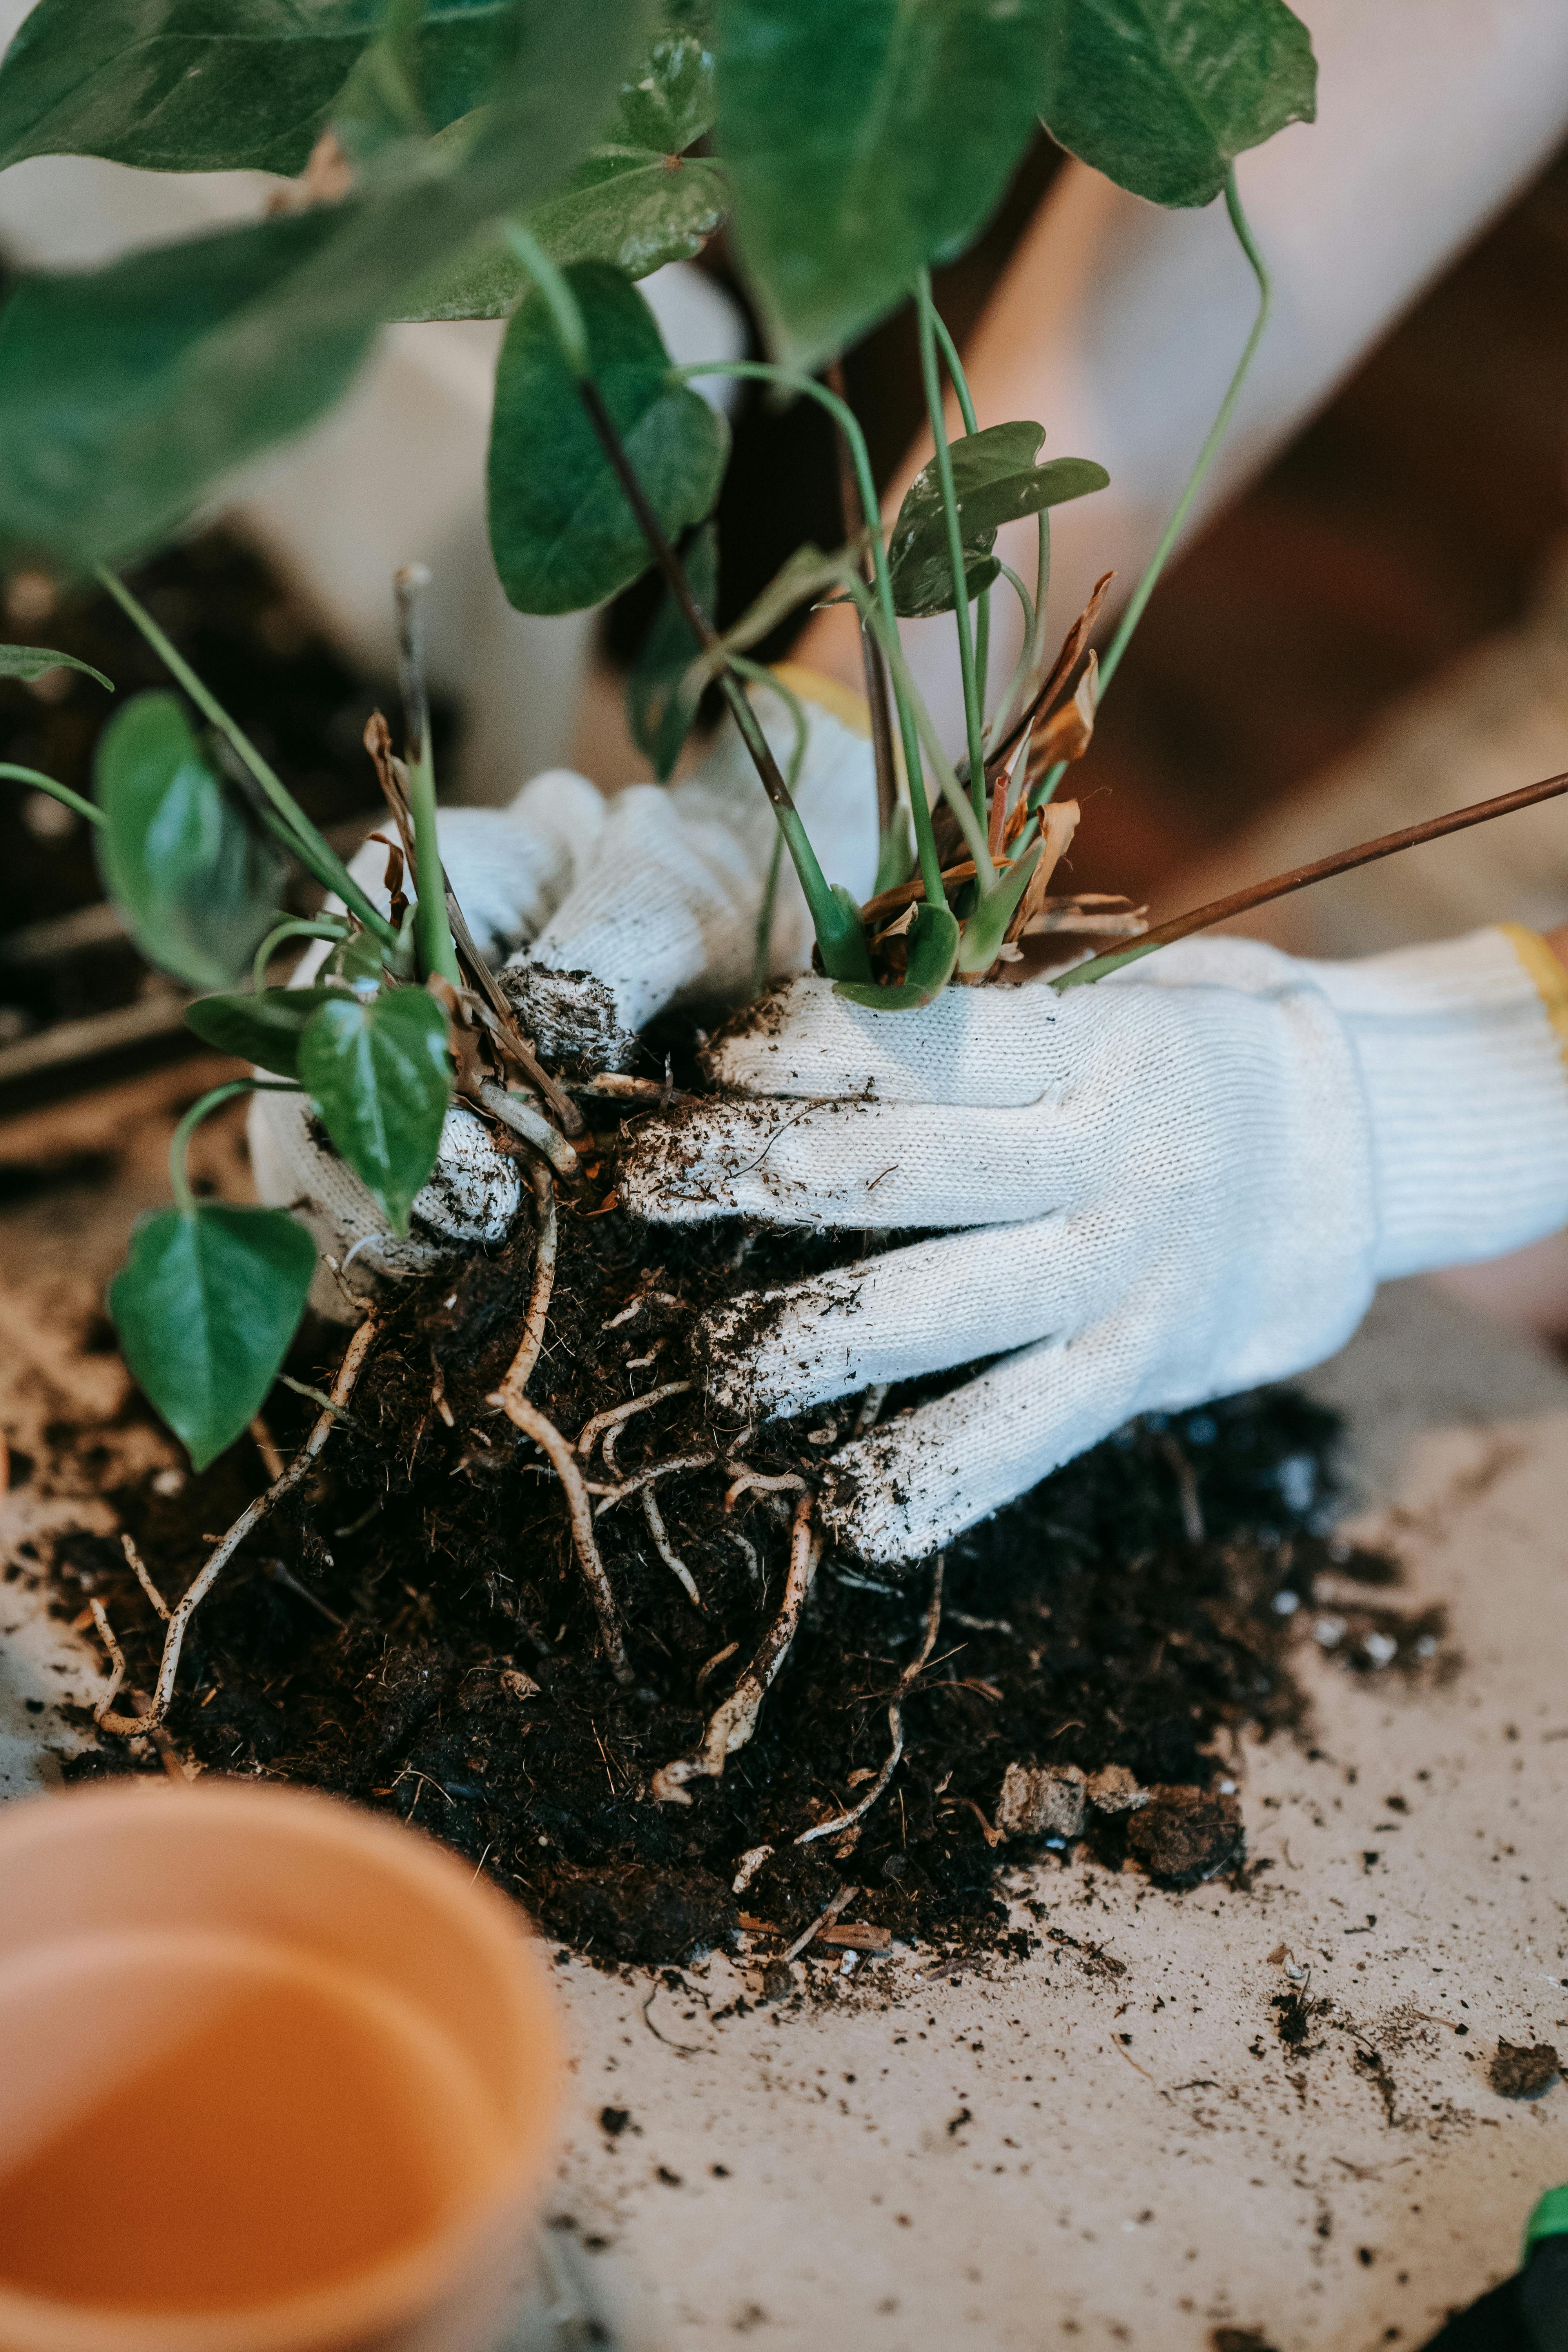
1110 2150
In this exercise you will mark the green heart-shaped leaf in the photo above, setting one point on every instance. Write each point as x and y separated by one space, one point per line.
659 712
196 883
1163 95
933 938
561 530
863 140
637 200
129 391
183 86
997 481
205 1306
264 1027
378 1072
28 662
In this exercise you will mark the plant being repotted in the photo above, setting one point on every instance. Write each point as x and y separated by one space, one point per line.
528 163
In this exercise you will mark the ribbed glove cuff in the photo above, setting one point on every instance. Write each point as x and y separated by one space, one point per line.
1463 1051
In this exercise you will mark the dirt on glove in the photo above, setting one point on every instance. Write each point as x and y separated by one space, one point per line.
414 1631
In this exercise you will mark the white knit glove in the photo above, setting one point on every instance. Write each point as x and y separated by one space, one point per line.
1157 1190
665 910
602 913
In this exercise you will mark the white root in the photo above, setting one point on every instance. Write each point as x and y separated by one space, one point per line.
732 1724
666 1551
520 1372
516 1112
841 1902
758 1482
641 1478
895 1725
131 1726
116 1661
710 1665
556 1448
143 1579
750 1550
588 1436
871 1405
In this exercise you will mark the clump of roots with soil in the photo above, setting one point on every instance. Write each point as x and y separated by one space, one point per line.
540 1596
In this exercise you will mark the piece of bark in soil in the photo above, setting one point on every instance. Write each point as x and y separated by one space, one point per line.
1523 2069
1043 1800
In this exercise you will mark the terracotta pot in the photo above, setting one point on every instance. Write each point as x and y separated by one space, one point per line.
275 2076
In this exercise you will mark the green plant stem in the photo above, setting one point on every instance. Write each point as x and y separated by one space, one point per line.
973 719
63 793
432 932
1024 670
1172 531
957 799
179 1142
326 927
565 316
955 367
294 827
765 372
837 923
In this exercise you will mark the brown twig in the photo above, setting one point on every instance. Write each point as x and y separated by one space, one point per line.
895 1724
547 1438
520 1372
130 1727
392 776
1343 861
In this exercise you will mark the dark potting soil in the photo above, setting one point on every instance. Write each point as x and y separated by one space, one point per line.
414 1631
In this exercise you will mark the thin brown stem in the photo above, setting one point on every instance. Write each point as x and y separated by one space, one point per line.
895 1724
130 1727
1280 886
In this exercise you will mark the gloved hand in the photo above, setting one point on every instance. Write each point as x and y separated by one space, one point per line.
599 914
1159 1189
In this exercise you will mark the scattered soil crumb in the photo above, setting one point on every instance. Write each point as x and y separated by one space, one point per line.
1523 2069
1239 2339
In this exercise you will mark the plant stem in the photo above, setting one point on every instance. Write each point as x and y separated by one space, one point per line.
432 932
313 849
955 367
1280 886
969 825
1024 670
1172 531
63 793
838 934
327 927
852 510
974 718
765 372
179 1142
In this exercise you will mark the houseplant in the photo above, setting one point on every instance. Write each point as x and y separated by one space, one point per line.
449 168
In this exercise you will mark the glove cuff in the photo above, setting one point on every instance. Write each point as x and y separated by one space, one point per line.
1463 1051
